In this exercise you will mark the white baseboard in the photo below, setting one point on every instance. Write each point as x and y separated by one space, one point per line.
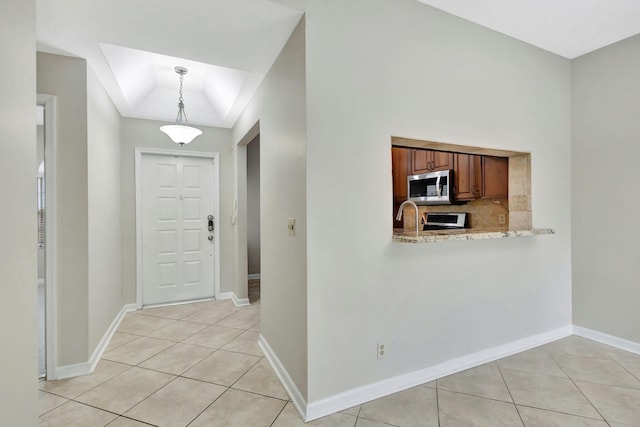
70 371
239 302
85 368
172 304
290 387
359 395
253 276
225 295
607 339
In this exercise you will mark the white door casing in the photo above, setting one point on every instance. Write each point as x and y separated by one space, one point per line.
175 194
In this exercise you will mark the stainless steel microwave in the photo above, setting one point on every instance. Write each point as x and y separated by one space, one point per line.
433 188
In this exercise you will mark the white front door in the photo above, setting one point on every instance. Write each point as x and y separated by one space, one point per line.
177 255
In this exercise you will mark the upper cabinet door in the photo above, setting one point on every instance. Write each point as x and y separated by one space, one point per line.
466 175
441 160
495 177
423 161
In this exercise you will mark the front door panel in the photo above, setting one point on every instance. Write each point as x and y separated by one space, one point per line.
177 254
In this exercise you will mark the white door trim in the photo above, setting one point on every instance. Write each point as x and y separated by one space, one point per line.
139 152
51 308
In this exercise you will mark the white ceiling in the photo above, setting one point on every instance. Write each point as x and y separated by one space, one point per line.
133 45
229 45
148 82
569 28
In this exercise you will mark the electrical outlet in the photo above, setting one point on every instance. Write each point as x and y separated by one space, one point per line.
382 352
291 226
502 219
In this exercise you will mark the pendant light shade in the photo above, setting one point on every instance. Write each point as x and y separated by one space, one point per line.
180 132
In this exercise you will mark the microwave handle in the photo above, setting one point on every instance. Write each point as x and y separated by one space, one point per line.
438 192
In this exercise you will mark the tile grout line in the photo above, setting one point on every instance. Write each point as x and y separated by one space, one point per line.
510 394
563 413
278 416
629 372
175 377
146 398
476 396
132 419
181 376
99 408
608 357
576 386
99 384
260 358
208 406
376 421
55 407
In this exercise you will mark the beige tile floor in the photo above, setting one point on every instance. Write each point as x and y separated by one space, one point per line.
199 365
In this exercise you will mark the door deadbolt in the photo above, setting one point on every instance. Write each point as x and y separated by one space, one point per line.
210 238
210 226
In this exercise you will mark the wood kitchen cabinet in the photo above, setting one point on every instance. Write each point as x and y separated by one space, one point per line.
400 169
423 161
467 176
475 176
495 177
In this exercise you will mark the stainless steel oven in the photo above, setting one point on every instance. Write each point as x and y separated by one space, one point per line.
445 221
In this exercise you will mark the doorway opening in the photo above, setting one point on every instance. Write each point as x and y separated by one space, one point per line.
253 219
46 234
248 278
41 215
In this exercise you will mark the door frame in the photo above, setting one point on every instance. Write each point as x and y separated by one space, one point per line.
50 230
241 267
139 152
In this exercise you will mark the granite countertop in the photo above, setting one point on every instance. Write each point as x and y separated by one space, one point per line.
435 236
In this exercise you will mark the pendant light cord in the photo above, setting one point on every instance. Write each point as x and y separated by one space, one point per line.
180 100
181 119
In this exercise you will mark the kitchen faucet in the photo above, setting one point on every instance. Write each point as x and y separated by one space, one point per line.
400 211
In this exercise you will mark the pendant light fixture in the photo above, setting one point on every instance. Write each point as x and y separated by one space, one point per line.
181 133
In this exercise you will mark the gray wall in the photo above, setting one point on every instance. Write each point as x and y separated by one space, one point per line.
382 68
280 106
253 205
146 133
605 202
18 308
104 210
88 193
66 78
